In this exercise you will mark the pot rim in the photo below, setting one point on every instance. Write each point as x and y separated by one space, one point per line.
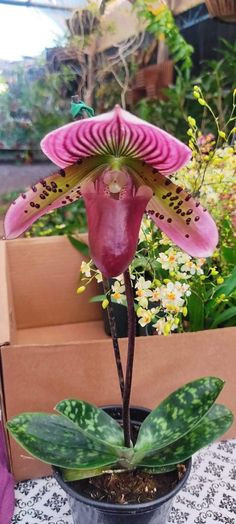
123 508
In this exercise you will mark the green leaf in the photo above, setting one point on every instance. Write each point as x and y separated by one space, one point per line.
98 298
80 246
212 426
177 414
69 475
222 317
229 254
93 421
56 440
196 312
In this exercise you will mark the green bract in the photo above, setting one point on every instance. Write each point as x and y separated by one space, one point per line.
86 442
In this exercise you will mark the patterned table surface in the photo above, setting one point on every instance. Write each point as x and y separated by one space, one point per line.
208 498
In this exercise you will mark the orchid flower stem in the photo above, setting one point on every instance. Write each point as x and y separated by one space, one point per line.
130 358
112 323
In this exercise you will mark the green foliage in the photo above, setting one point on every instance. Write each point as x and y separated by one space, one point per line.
31 107
161 23
217 79
87 442
66 220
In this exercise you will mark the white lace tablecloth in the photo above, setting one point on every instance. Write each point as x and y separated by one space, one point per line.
208 498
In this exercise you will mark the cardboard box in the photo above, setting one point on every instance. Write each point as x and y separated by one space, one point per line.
54 345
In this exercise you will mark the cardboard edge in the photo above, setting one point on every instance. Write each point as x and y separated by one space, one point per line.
5 329
3 417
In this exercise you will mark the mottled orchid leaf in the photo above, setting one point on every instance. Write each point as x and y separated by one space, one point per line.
178 414
213 425
70 475
56 440
92 421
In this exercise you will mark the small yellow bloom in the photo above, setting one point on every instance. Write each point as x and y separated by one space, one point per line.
220 280
105 303
222 135
214 271
80 290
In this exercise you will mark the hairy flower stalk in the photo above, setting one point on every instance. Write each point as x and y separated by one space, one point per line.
130 358
112 323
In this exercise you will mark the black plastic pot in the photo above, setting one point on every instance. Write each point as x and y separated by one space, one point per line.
88 511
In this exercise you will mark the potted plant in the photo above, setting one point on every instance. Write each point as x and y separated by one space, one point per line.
119 164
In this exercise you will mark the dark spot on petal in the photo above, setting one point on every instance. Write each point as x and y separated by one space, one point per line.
169 220
60 190
198 204
25 211
176 207
171 204
42 196
14 203
53 184
187 236
43 182
180 202
173 198
64 202
79 161
183 214
54 190
45 192
196 219
37 206
157 215
167 182
204 210
178 211
62 172
168 194
161 217
189 212
67 185
23 195
178 190
188 221
154 171
163 197
188 198
34 189
48 188
32 204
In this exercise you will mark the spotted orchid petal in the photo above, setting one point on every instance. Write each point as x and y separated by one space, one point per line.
116 133
177 214
114 224
57 190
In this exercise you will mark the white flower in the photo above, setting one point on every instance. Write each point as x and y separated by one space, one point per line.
143 291
156 295
168 260
98 276
164 326
171 297
85 268
145 316
118 291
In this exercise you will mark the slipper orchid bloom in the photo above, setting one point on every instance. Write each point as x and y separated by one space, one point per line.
119 165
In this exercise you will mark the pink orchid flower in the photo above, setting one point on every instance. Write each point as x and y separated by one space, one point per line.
119 165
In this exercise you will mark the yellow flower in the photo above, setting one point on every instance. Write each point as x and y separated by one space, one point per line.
80 290
105 303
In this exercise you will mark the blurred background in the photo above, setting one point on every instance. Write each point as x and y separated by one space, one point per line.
143 54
